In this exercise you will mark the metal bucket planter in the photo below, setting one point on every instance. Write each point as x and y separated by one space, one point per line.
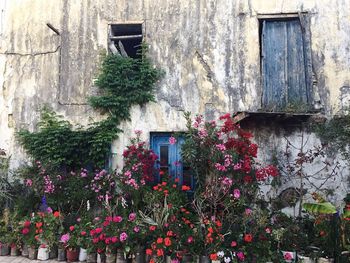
4 250
111 258
53 252
91 258
61 254
101 258
187 258
139 256
120 256
204 259
32 253
14 251
82 254
25 252
43 253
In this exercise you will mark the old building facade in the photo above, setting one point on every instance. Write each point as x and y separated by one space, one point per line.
218 56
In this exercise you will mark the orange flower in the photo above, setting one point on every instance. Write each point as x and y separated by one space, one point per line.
56 214
210 230
248 238
152 260
213 256
159 240
167 242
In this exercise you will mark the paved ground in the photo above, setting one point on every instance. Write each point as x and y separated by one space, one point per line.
8 259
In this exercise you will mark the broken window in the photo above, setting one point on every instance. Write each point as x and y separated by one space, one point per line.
125 39
284 64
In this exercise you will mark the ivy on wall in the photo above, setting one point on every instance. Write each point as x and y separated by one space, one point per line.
123 82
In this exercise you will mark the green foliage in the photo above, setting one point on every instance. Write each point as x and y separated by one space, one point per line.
124 82
336 133
320 208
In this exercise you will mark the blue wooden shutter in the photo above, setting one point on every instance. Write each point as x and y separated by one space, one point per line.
283 65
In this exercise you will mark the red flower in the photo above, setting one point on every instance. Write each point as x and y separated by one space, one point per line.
39 224
83 233
160 252
71 228
26 223
169 233
247 179
185 188
248 238
167 242
213 256
95 240
233 244
114 240
225 116
56 214
98 230
159 240
177 180
149 251
25 231
288 256
152 228
190 239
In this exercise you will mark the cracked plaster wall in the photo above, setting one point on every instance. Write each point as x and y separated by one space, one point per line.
209 50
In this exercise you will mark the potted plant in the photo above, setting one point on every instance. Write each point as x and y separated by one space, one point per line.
70 242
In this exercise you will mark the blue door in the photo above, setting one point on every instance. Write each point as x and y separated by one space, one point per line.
284 62
169 159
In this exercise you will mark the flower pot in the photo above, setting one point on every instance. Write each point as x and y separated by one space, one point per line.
187 258
32 253
111 258
204 259
120 256
101 258
4 250
53 253
25 251
91 258
325 260
43 253
72 255
61 254
139 256
82 254
304 259
14 251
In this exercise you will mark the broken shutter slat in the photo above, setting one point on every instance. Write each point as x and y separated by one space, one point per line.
125 37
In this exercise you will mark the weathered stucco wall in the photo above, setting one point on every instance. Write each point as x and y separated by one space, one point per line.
209 50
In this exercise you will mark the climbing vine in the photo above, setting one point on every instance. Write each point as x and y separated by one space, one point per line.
123 82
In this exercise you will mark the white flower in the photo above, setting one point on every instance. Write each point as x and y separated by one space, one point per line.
227 259
220 254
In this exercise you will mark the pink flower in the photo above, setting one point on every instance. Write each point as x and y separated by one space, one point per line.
221 147
138 132
268 230
288 256
236 193
136 229
248 211
190 239
202 133
172 140
114 239
123 236
117 219
240 255
65 238
220 167
132 217
29 182
233 244
25 231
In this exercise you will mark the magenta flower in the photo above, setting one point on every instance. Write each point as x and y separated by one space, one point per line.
65 238
123 237
240 255
172 140
117 219
236 193
29 182
136 229
132 216
288 256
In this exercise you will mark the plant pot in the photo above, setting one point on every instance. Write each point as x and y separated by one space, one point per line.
4 250
43 253
32 253
61 254
120 256
53 253
101 258
91 258
111 258
25 251
325 260
14 251
139 256
304 259
82 254
72 254
187 258
204 259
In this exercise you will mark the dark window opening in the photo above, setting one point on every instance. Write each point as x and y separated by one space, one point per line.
284 60
126 39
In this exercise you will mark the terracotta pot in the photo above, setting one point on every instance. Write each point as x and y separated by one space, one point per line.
32 253
111 258
14 251
25 251
61 254
91 258
72 254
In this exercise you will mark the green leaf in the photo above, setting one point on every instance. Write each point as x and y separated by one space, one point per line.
320 208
